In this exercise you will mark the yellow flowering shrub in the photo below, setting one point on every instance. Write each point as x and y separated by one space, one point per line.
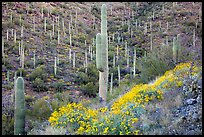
121 117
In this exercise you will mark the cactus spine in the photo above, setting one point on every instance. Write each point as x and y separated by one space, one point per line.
102 49
19 121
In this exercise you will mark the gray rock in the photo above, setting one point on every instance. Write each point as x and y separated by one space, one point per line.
191 101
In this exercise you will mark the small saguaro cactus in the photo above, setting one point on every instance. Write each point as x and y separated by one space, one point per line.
118 75
19 112
86 61
34 59
45 24
3 49
63 28
134 61
7 35
55 67
70 55
102 56
74 59
194 38
8 76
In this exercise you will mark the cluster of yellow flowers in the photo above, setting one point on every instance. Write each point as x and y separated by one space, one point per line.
122 115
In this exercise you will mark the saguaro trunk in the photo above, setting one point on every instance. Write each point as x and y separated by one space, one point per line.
102 55
19 122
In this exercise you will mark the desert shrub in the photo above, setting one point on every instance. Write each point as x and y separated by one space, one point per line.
7 63
21 72
58 86
39 85
38 78
88 81
40 110
39 72
155 64
90 89
7 125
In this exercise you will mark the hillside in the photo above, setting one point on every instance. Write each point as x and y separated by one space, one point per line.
141 40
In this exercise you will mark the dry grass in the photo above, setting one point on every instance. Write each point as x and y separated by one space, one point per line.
49 130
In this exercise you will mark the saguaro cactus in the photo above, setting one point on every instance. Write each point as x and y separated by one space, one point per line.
55 67
102 55
134 61
34 59
19 121
45 24
118 75
3 49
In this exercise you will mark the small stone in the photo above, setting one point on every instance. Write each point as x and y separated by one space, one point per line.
191 101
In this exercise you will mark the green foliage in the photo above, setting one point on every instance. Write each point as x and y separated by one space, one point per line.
156 63
39 85
7 125
39 72
22 72
40 110
58 86
90 89
88 81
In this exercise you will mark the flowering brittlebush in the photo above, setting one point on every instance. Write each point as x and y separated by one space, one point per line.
124 112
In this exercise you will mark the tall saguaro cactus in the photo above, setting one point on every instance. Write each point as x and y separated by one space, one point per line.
102 55
19 121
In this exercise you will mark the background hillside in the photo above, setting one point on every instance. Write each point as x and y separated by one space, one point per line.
67 31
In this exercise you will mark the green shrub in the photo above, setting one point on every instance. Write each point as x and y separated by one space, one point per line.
90 89
22 72
58 86
156 63
39 72
39 85
7 125
40 110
